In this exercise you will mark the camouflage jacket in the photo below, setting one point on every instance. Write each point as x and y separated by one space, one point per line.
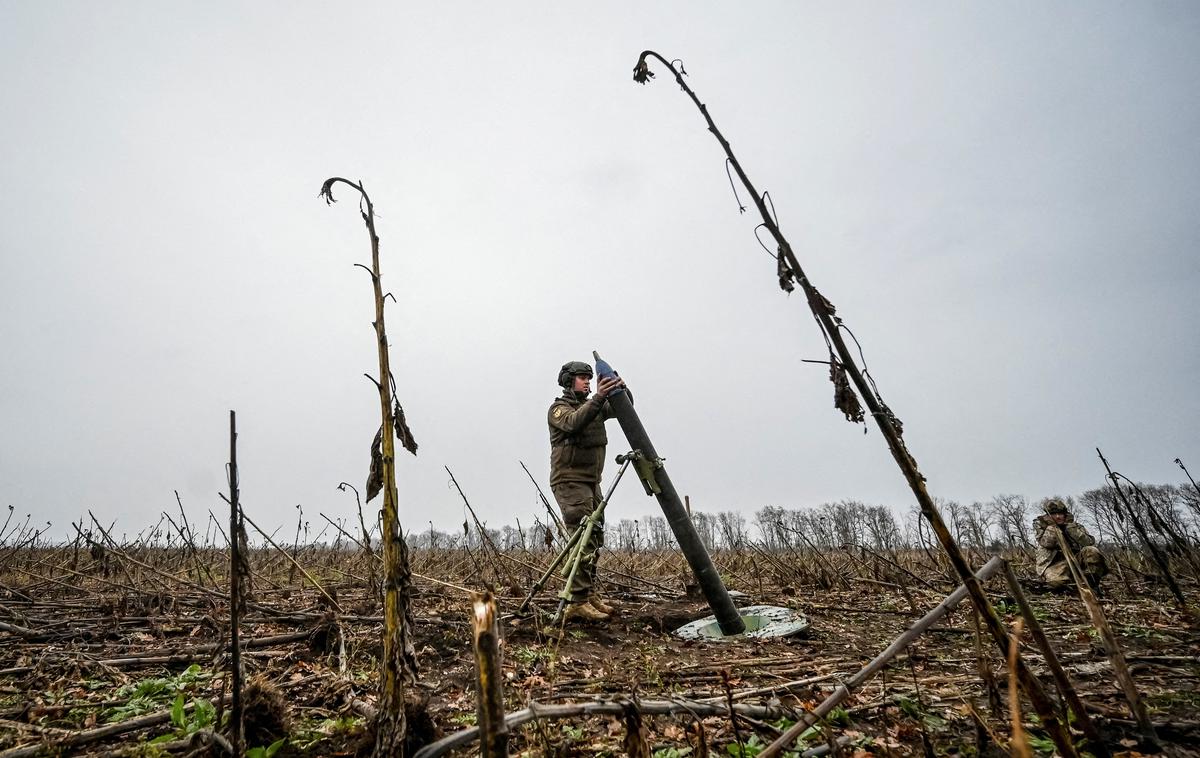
1048 551
577 438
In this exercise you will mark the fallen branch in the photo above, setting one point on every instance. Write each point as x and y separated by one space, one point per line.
599 708
843 691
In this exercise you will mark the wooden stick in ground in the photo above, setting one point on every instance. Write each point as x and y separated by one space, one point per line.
489 677
1111 646
843 690
1097 745
1020 743
235 599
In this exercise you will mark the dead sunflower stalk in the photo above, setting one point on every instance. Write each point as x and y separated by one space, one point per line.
831 325
399 664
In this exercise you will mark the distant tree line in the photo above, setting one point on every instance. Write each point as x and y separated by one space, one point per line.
1004 521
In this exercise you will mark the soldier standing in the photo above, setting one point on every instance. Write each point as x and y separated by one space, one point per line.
577 444
1051 563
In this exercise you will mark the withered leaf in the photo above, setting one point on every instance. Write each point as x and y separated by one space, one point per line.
785 274
403 433
844 398
375 478
642 72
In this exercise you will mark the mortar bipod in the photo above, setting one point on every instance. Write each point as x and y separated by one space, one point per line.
572 552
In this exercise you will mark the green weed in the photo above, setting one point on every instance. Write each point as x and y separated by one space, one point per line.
306 737
267 752
747 749
153 694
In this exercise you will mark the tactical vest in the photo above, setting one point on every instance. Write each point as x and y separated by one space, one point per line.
577 457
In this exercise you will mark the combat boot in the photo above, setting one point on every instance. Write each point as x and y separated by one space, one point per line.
584 611
602 606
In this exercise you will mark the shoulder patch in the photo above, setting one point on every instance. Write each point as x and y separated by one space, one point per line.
558 411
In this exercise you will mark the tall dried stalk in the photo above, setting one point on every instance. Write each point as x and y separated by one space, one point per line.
236 596
1020 743
1065 687
1111 646
399 664
844 370
1160 560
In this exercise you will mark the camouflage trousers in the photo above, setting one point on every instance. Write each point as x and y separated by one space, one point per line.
577 501
1090 560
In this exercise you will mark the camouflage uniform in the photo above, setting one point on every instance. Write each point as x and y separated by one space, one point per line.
577 443
1052 565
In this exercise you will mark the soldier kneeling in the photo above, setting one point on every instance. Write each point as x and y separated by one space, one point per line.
1051 563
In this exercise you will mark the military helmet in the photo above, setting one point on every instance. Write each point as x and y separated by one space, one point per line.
1054 505
572 369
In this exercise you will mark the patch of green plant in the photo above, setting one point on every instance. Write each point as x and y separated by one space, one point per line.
671 752
746 749
1042 745
577 634
308 735
466 719
528 654
572 732
203 715
808 735
153 694
1165 700
267 752
1142 633
913 710
908 706
839 716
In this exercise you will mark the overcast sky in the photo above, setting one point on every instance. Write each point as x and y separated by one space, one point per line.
1001 200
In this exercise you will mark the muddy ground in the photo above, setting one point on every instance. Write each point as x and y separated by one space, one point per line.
82 650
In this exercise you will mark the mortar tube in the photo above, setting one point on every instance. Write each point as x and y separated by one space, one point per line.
693 549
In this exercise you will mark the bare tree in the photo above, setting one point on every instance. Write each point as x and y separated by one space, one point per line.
1011 516
706 528
881 527
769 521
732 527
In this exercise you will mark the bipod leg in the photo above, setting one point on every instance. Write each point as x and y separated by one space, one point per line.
580 539
583 535
541 583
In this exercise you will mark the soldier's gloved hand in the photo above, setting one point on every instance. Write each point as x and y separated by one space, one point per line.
607 384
